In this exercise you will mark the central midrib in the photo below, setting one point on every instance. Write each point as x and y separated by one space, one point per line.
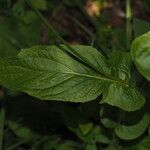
80 74
96 77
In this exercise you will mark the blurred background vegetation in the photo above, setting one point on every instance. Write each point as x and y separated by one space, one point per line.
31 124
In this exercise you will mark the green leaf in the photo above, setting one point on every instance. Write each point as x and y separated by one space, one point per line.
140 50
23 132
39 4
96 135
75 121
91 147
124 97
129 132
22 35
120 63
108 116
140 26
144 144
119 39
53 142
68 145
91 57
48 73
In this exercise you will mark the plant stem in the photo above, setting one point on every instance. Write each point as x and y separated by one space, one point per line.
69 48
14 146
128 24
2 123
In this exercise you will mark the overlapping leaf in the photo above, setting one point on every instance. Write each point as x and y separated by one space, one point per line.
47 72
129 132
140 51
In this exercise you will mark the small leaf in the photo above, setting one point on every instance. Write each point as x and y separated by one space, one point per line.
140 50
39 4
129 132
96 135
144 144
23 132
108 116
85 127
91 147
75 121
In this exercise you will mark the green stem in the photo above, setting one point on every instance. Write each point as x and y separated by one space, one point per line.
2 123
14 146
69 48
128 24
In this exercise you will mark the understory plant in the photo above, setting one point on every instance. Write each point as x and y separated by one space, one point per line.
97 97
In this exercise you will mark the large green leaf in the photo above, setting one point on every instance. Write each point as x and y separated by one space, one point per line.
90 56
140 50
120 63
129 132
49 73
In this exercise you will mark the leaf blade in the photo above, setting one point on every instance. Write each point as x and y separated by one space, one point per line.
140 51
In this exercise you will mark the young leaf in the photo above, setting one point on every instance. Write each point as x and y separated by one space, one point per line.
140 50
129 132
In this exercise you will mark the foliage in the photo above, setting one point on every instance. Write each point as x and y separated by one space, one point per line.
72 96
